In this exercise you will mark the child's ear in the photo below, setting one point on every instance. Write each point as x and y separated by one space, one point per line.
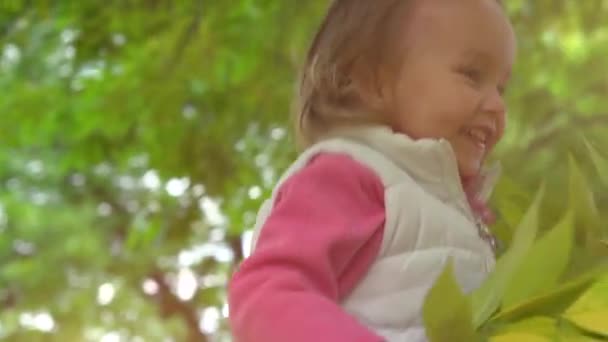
373 87
380 97
376 99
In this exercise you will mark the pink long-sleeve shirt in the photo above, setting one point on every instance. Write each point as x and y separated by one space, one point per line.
323 233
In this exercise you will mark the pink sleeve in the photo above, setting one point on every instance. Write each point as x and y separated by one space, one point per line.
322 235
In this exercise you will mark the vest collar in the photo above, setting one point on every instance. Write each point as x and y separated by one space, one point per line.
431 162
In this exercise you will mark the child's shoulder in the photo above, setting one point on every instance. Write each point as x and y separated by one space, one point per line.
335 170
331 163
329 186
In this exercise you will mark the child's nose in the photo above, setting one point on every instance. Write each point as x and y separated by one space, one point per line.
495 106
495 103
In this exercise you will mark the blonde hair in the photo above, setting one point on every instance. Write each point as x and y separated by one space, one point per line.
355 51
347 60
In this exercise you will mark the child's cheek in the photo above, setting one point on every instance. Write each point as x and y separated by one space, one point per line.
501 125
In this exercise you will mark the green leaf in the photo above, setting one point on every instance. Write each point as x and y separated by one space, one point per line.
583 203
595 322
142 233
594 299
541 326
569 331
488 297
590 311
550 304
586 258
447 311
520 337
511 206
599 161
545 263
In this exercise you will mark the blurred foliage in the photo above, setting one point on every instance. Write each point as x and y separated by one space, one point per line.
533 293
138 138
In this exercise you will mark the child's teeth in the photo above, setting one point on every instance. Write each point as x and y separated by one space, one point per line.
476 134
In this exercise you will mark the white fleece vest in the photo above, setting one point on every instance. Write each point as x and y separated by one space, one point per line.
428 220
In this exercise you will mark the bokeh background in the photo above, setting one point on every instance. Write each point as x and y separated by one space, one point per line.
138 137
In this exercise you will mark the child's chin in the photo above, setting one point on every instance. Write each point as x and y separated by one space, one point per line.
470 171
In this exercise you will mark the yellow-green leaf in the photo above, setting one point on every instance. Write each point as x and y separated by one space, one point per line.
447 311
594 299
487 298
599 161
520 337
595 321
511 206
545 263
593 257
541 326
552 303
583 202
569 332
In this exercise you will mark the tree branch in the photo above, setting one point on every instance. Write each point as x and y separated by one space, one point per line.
170 305
236 243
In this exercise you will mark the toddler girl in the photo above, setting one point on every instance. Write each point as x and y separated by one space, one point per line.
400 103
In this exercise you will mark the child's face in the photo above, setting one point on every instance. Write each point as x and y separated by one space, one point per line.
457 62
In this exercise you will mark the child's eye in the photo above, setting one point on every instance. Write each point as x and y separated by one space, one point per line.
472 74
502 89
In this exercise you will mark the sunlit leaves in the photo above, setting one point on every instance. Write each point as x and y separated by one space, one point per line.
590 311
526 298
545 263
488 298
447 311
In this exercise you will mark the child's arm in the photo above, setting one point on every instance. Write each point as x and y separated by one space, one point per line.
323 234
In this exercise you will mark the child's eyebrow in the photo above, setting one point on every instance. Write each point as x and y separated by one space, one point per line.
476 55
485 59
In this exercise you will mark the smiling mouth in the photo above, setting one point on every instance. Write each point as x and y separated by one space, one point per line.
478 137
